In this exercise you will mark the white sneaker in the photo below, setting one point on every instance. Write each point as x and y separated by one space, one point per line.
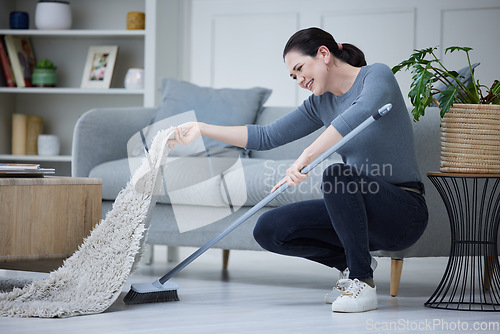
359 297
343 283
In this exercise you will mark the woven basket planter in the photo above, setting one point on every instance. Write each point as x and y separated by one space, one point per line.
470 139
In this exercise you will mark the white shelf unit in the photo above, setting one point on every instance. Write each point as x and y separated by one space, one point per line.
95 22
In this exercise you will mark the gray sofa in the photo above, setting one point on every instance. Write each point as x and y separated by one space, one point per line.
100 150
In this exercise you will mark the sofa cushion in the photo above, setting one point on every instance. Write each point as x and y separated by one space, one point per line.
115 175
195 181
261 175
214 106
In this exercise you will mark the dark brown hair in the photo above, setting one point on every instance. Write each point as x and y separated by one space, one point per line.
308 41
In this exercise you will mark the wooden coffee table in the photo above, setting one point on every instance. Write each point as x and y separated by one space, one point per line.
44 220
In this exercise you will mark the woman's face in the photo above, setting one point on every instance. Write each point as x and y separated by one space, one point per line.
310 73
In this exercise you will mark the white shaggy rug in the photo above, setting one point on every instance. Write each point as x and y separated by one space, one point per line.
93 277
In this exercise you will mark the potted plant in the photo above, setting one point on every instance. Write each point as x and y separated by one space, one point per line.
470 111
44 74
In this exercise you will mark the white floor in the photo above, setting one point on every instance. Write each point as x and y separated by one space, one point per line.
266 293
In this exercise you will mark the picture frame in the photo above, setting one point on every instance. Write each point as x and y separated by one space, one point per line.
99 66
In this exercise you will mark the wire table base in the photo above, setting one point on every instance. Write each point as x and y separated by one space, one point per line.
471 281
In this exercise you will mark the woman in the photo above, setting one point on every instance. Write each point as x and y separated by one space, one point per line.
371 202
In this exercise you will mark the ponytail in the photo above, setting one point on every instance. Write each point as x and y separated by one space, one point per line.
351 55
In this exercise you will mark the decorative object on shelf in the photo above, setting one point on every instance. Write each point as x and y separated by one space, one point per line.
54 15
44 74
134 79
99 66
19 129
136 21
19 20
48 145
25 132
34 128
470 112
22 58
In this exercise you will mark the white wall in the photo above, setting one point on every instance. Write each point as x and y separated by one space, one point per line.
239 43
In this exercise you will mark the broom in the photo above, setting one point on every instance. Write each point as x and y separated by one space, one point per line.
162 290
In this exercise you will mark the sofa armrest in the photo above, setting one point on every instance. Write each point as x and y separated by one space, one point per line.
102 134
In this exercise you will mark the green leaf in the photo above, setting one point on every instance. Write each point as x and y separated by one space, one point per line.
447 98
452 49
401 65
45 63
420 90
495 92
471 95
417 57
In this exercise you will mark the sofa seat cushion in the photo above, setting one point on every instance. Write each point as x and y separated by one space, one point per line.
246 182
262 174
180 187
114 174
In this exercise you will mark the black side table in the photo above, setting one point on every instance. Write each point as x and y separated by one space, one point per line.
471 281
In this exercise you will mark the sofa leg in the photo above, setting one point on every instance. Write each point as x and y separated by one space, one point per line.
396 269
225 258
172 254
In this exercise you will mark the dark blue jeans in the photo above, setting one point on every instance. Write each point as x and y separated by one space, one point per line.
359 213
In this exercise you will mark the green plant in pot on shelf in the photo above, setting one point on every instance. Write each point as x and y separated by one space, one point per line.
470 111
44 74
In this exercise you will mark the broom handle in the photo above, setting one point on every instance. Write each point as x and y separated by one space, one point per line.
381 112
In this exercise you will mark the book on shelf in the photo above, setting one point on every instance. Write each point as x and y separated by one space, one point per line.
24 170
3 80
6 65
22 58
34 128
25 132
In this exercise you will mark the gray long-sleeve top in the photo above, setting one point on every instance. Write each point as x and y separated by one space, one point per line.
385 148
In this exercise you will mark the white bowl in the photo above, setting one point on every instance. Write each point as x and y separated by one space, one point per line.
53 15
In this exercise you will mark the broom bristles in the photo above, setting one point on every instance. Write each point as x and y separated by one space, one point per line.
134 297
155 292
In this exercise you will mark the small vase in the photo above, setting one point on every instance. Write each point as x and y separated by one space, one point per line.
44 77
19 20
48 145
134 79
53 15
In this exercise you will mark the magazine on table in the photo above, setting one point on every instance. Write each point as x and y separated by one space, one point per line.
19 170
